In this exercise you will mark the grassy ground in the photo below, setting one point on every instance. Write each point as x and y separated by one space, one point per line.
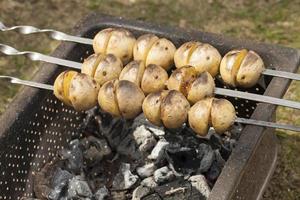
271 21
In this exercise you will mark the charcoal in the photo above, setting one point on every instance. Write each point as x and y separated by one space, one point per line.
59 183
153 196
140 192
124 179
183 161
101 193
128 147
148 144
199 182
163 175
79 188
146 170
207 159
149 182
158 149
213 173
73 157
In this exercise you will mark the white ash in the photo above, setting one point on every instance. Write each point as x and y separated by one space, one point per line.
101 193
200 183
140 134
149 182
79 188
140 192
158 132
163 174
124 179
158 149
148 144
146 170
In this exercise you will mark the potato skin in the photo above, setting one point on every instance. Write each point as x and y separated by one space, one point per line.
230 66
151 108
154 79
130 99
89 64
181 79
174 109
133 72
58 87
108 68
107 98
222 115
202 87
143 45
250 70
202 56
83 92
199 116
116 41
161 53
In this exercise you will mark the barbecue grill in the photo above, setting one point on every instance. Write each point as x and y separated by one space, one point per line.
36 124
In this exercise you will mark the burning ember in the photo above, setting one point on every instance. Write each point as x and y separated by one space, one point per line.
118 159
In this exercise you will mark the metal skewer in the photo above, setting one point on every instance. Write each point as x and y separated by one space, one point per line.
57 35
238 119
219 91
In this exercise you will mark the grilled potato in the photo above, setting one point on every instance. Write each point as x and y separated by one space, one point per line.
102 67
121 98
167 107
194 87
199 116
76 89
241 68
116 41
153 50
154 79
202 56
133 72
222 115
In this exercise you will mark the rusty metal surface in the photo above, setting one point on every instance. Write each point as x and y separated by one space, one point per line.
35 125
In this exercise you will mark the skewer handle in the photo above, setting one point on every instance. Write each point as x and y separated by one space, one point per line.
281 74
57 35
27 83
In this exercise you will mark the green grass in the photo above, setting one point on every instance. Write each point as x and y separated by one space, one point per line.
270 21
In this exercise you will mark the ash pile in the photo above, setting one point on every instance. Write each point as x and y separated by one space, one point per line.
118 159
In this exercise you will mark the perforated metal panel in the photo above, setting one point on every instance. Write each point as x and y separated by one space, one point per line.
39 125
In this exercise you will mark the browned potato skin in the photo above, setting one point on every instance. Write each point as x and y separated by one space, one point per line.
203 86
116 41
154 79
143 45
174 109
133 72
89 64
83 92
58 87
107 98
151 108
222 115
181 79
199 116
250 70
161 53
130 99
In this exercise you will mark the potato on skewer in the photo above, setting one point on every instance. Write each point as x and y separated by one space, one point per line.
102 67
241 68
218 113
121 98
202 56
193 85
167 107
116 41
76 90
153 50
151 78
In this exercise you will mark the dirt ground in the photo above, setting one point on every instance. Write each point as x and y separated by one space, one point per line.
272 21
